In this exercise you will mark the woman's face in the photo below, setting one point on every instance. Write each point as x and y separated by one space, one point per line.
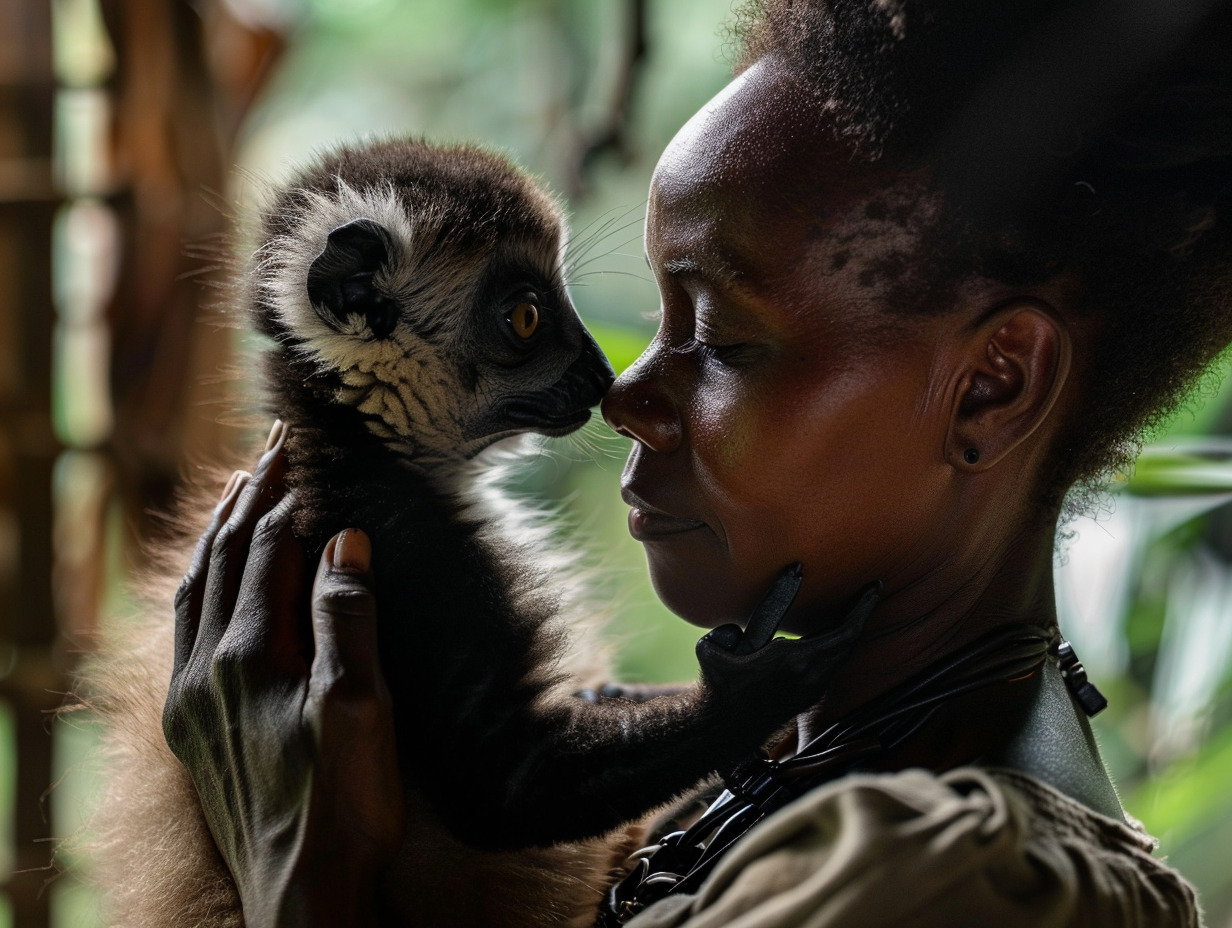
781 413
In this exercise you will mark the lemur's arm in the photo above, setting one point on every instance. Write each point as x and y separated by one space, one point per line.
544 773
294 762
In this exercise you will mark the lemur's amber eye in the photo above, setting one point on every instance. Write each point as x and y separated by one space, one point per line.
524 319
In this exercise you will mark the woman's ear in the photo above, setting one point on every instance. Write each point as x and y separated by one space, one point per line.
1015 362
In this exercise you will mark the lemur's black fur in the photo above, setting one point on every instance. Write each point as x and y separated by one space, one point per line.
466 625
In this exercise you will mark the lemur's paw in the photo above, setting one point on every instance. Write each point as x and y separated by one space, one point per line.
755 671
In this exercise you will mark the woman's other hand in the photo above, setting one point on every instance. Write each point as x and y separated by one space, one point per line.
278 709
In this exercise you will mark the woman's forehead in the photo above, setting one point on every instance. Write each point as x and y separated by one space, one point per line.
762 127
758 177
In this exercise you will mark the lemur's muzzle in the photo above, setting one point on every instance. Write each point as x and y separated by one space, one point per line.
565 406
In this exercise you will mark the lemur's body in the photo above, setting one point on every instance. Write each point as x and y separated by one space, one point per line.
415 300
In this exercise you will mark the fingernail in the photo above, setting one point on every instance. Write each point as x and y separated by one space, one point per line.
352 551
226 491
276 435
234 485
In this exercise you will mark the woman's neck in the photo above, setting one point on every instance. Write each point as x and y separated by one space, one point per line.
984 586
1030 724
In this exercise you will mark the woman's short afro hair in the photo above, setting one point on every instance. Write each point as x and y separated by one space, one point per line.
1089 136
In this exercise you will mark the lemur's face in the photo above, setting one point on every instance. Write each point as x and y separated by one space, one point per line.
445 341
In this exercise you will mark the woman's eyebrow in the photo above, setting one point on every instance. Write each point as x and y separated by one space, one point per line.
713 268
678 267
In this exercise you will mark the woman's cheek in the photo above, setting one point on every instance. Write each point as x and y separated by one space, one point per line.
706 593
727 436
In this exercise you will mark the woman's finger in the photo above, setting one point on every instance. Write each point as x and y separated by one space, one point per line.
349 708
229 550
265 628
188 598
344 618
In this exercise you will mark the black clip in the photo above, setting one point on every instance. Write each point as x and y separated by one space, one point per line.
752 777
1074 674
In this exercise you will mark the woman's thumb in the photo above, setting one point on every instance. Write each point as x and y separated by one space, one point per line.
344 615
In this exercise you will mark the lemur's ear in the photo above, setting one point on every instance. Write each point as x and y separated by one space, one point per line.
340 278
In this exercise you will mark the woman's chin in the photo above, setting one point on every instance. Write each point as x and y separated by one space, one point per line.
712 596
701 599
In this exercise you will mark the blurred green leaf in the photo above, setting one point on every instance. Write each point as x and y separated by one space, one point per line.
1191 468
621 344
1183 799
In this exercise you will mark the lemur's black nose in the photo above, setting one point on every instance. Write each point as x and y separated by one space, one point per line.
601 375
586 380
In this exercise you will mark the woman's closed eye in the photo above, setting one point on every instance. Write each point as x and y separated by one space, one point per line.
730 354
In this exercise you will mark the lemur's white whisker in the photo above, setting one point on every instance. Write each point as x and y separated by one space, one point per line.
577 266
580 249
597 231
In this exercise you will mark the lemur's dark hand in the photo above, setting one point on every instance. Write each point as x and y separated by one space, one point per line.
751 669
278 710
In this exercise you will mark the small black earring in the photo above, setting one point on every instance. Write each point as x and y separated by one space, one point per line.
971 456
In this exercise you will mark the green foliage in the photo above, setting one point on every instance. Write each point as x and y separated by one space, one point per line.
1181 470
1167 735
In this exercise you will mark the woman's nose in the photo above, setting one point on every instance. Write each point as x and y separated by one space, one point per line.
638 408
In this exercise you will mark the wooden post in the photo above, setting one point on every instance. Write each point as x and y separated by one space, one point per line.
27 447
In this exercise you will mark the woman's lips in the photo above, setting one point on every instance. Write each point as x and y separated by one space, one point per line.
647 523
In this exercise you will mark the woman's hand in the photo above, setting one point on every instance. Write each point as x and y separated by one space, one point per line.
278 710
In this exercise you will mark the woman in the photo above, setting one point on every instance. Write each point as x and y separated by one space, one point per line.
924 267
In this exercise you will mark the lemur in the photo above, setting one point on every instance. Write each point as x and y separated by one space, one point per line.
416 311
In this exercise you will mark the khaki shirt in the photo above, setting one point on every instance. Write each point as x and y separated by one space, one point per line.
970 847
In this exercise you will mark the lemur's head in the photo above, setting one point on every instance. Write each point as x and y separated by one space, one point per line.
423 287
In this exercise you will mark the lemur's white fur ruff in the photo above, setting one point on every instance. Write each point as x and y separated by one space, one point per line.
401 380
